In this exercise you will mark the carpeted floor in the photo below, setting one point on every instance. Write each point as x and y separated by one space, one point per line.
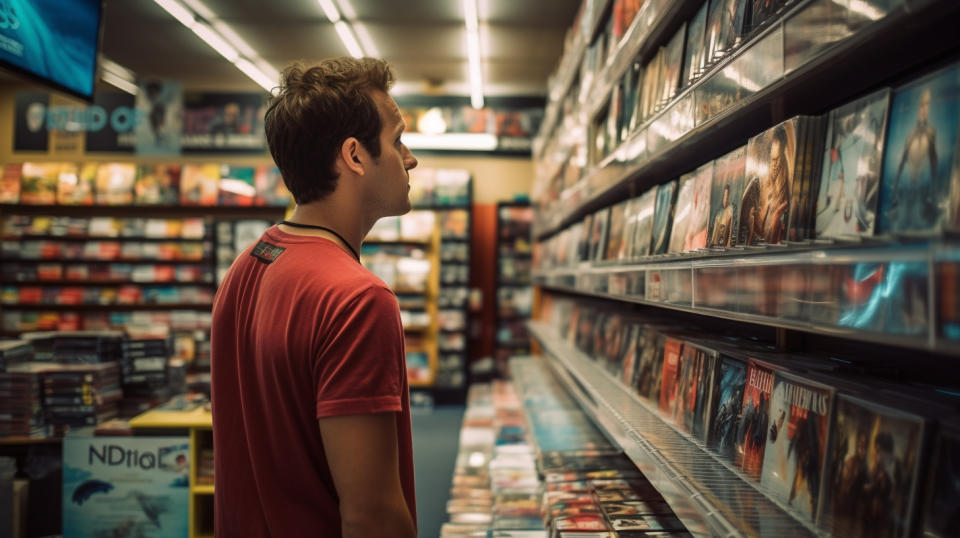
436 433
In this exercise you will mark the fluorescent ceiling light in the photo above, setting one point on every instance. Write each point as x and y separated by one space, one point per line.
346 10
255 74
473 52
119 82
349 40
330 10
231 37
179 12
451 141
365 40
216 42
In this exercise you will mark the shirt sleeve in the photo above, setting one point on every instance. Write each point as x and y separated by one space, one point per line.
360 366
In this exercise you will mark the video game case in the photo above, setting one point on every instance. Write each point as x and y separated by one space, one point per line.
920 156
726 192
670 375
692 210
877 450
755 418
663 217
942 502
795 456
849 184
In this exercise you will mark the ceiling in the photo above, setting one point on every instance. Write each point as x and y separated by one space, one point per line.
424 40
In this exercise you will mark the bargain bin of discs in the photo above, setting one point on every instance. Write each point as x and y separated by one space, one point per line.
746 281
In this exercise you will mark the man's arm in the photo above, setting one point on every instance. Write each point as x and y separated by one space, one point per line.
363 459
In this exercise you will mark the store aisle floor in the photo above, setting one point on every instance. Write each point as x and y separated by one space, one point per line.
436 433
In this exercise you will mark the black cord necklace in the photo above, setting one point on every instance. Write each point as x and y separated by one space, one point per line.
324 228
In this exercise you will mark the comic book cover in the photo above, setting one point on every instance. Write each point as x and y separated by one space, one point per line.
271 190
874 455
237 185
921 148
755 418
727 403
695 52
598 234
74 187
115 183
650 367
10 183
199 184
616 245
643 230
942 512
728 176
795 455
38 184
670 375
663 217
765 204
725 27
157 185
692 210
672 65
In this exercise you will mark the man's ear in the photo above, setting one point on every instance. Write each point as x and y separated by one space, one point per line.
350 155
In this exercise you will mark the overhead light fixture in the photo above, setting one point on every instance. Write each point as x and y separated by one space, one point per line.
451 141
116 75
221 38
473 52
352 33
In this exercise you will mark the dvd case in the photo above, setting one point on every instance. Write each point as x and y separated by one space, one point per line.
727 404
850 180
765 205
725 27
672 66
616 242
38 183
598 235
695 52
670 376
692 211
921 148
199 184
115 183
663 217
755 418
644 213
728 177
157 184
794 458
942 511
75 187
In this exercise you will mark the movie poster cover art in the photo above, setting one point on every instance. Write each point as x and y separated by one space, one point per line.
874 453
157 185
663 217
74 187
765 205
115 183
850 181
598 234
670 376
125 486
200 184
920 152
692 211
271 190
725 195
725 421
795 456
755 420
695 52
942 511
644 215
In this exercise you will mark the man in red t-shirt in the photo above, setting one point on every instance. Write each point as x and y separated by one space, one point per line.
311 412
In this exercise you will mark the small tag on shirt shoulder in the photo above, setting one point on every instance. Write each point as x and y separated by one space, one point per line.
266 252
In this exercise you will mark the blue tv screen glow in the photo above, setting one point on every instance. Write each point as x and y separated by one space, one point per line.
53 40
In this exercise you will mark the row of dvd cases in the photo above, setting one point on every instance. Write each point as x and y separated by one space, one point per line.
791 164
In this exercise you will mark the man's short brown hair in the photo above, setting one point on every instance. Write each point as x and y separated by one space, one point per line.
315 110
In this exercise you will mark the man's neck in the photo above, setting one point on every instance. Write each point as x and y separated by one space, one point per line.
350 227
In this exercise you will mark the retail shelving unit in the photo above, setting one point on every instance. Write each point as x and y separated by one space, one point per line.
810 58
514 292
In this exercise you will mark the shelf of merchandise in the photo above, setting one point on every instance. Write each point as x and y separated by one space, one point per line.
103 238
709 285
197 422
106 283
704 491
146 211
504 350
674 141
209 261
119 307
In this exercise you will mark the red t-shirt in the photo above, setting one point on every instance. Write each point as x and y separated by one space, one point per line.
300 331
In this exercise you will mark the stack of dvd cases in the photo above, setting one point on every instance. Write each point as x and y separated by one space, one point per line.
81 394
76 347
21 409
144 374
14 352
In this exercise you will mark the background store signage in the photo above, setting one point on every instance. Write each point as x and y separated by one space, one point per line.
118 117
126 486
160 112
223 123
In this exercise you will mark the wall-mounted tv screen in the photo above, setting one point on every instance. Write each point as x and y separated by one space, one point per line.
53 41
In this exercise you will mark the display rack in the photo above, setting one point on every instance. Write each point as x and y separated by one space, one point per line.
703 490
514 294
